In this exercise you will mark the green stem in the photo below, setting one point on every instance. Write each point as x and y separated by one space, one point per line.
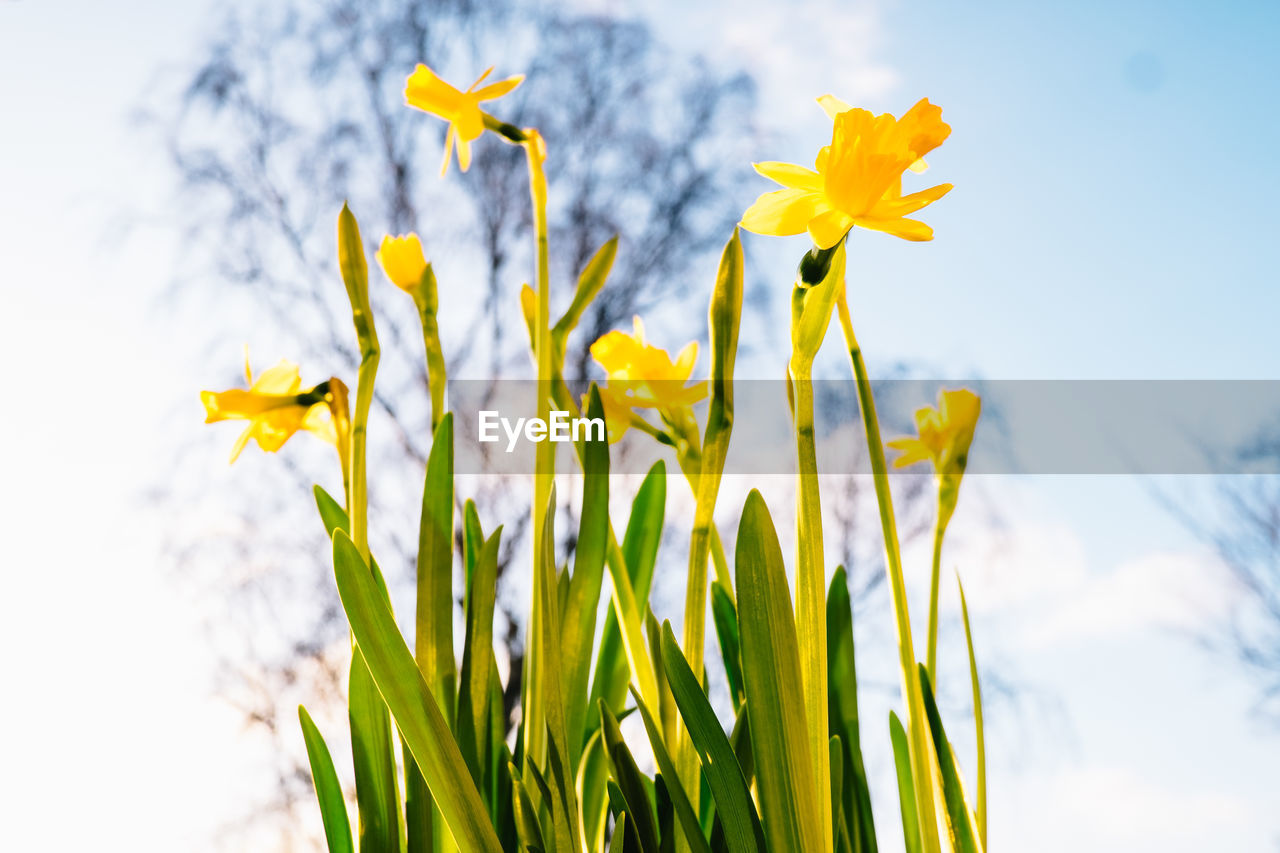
939 531
436 375
544 472
918 736
355 276
811 604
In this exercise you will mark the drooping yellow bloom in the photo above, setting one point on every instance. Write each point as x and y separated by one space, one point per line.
428 92
402 260
858 178
275 407
642 375
945 434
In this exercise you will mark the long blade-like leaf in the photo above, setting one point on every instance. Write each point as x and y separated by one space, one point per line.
771 678
407 694
333 807
743 833
625 772
372 753
842 691
477 659
564 799
640 552
961 829
725 614
906 784
981 810
433 639
372 745
579 623
679 799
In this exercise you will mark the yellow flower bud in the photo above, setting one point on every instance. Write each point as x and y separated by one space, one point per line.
402 260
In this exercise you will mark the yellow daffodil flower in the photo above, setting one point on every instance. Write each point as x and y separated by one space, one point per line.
428 92
858 178
275 407
402 260
641 375
945 434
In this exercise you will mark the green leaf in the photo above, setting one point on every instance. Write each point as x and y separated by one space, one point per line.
409 697
372 752
624 836
564 802
579 625
420 818
477 658
771 677
640 553
333 807
526 816
906 784
842 689
835 755
961 829
725 614
472 542
590 283
334 518
743 833
981 811
689 824
593 772
433 638
630 782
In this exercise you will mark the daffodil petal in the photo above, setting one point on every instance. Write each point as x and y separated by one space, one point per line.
832 106
464 153
829 227
241 441
283 378
790 175
497 90
783 212
448 152
686 359
894 207
908 229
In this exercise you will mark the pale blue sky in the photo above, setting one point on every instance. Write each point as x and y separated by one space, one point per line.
1112 218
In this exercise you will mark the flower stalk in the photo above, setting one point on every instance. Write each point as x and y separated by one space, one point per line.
355 276
918 735
544 460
